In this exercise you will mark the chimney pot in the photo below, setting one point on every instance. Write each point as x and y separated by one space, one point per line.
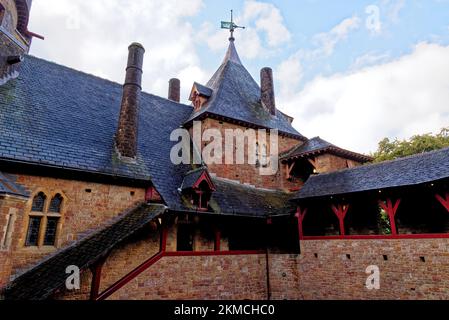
174 90
126 136
267 90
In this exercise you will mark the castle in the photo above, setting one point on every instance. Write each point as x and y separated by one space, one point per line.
87 183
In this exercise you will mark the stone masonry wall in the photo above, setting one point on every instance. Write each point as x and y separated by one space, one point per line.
87 207
197 278
249 173
411 269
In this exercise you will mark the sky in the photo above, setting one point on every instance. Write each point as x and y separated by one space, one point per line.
349 71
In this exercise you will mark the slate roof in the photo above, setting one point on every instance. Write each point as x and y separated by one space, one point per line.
232 198
317 146
9 187
203 90
414 170
237 96
192 177
55 116
40 282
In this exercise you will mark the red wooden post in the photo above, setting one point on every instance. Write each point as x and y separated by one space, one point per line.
300 215
96 277
163 237
444 201
391 210
341 211
217 240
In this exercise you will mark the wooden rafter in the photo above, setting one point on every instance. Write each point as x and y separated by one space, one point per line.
300 215
341 211
391 209
444 200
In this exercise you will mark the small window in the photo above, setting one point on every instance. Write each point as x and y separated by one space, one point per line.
264 160
50 231
185 237
33 231
39 202
55 204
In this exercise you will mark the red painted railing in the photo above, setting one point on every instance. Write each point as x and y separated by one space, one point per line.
380 237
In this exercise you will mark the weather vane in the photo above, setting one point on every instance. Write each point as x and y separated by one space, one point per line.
231 26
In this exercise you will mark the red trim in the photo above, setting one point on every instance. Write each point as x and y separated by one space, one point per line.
444 201
380 237
96 277
341 211
212 253
205 177
130 276
300 215
391 210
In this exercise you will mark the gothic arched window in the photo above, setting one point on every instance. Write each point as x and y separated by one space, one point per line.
55 204
39 202
44 220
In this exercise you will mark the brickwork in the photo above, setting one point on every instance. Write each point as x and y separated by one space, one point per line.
227 277
87 207
247 173
11 213
328 163
411 269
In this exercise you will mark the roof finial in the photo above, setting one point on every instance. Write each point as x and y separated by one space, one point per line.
231 26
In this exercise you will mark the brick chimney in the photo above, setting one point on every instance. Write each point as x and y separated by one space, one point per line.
267 90
126 136
174 90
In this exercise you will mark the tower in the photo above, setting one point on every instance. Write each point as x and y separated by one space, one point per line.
15 39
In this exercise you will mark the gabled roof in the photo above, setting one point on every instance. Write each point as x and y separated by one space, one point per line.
43 280
236 96
203 90
9 187
58 117
316 146
414 170
194 177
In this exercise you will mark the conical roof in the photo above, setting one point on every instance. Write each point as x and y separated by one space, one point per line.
236 95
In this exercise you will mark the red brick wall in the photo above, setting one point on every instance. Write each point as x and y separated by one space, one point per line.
403 276
82 212
328 162
249 173
197 278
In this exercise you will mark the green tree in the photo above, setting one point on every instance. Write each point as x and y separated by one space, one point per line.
390 150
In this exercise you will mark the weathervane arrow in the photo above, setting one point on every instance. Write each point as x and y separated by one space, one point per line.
231 26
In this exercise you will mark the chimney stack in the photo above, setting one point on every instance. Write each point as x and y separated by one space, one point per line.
174 90
267 90
126 136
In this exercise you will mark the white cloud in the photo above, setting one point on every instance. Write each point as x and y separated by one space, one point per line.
93 36
327 41
397 99
290 72
370 59
263 21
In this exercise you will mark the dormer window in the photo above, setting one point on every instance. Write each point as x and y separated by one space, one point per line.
199 95
198 187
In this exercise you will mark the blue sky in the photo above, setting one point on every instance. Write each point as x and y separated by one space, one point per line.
349 71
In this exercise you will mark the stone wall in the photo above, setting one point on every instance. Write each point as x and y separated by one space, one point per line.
87 207
247 173
409 269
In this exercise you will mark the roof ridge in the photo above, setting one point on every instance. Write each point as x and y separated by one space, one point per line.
91 75
377 164
238 183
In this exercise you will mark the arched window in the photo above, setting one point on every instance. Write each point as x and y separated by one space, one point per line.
55 204
39 202
43 222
